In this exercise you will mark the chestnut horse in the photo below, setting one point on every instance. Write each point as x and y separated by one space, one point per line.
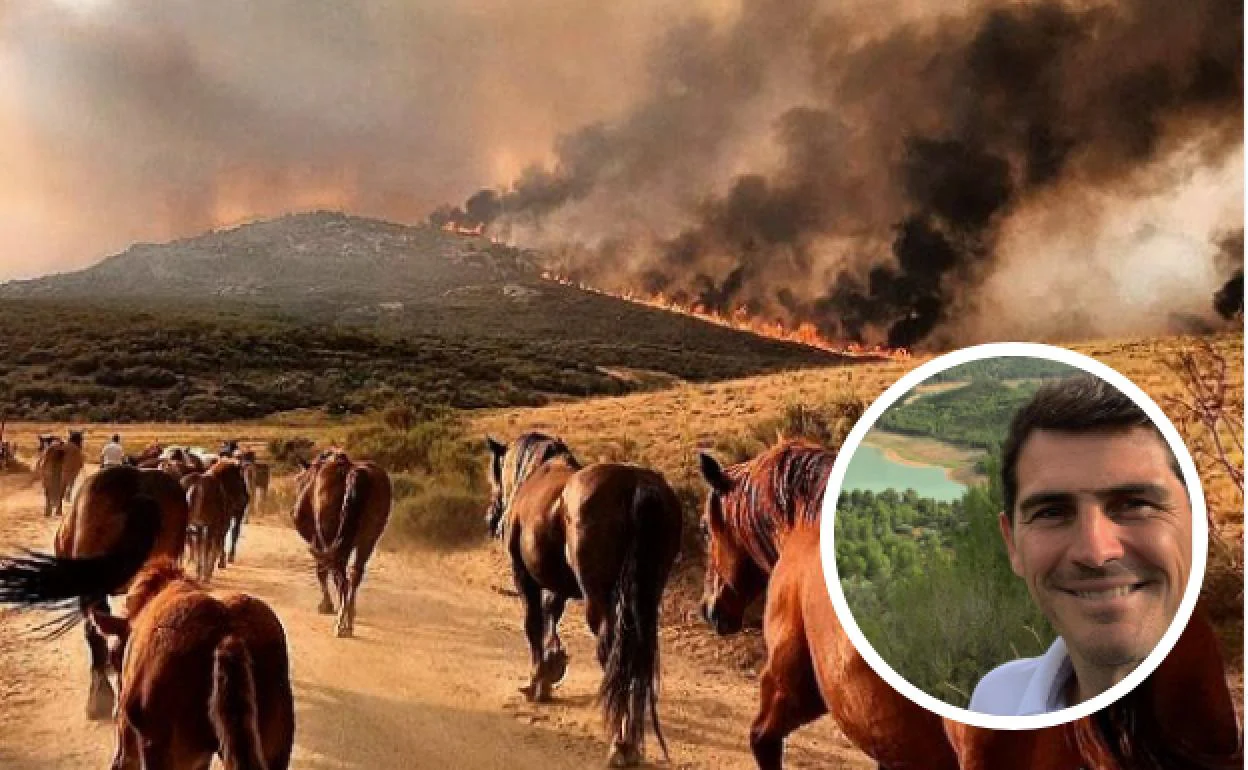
122 517
761 523
58 465
200 675
208 521
1182 717
341 508
229 474
608 534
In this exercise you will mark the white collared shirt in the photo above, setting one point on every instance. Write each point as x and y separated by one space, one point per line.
1026 686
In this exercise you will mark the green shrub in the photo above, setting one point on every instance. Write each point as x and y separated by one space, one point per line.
440 518
287 452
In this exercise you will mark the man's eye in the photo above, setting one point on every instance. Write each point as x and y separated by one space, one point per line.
1136 506
1047 514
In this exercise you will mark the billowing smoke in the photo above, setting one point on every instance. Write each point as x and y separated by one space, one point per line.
899 161
1229 299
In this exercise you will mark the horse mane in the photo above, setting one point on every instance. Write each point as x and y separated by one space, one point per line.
773 493
528 453
153 578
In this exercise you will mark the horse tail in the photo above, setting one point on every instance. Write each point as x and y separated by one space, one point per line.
353 501
40 579
630 680
232 706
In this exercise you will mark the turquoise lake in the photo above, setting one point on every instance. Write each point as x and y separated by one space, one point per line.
871 469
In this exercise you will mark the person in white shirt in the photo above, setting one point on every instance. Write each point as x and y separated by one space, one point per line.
112 454
1098 524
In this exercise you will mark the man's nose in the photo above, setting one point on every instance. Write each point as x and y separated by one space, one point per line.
1097 540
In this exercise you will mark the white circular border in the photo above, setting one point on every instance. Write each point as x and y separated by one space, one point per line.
1200 533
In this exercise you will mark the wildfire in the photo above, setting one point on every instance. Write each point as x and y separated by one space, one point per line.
804 333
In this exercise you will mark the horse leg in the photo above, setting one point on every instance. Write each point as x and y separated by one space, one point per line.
538 688
338 571
100 697
555 657
354 577
235 531
598 617
326 607
788 698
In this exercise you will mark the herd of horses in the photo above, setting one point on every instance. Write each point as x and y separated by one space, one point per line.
217 680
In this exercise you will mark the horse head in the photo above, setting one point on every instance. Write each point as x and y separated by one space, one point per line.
494 512
733 579
511 465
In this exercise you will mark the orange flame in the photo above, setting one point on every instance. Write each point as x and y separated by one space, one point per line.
804 333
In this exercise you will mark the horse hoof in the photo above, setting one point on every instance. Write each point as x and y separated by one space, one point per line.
343 632
326 608
623 756
556 665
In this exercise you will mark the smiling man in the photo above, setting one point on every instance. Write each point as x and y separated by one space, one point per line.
1098 523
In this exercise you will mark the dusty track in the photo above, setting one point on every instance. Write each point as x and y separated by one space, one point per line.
429 681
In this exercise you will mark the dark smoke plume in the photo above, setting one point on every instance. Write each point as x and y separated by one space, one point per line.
898 155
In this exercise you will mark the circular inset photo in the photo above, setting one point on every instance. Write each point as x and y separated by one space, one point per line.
1014 536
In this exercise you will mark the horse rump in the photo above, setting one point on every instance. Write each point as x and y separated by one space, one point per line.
44 580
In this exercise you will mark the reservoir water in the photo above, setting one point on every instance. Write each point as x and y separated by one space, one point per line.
871 469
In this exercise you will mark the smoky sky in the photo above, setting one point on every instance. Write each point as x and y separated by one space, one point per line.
890 171
898 156
146 120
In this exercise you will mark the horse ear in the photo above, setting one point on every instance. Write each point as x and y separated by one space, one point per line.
497 447
714 474
497 451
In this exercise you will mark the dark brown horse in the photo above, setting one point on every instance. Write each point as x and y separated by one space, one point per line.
1182 717
229 474
120 519
608 534
208 521
200 675
761 523
257 475
341 508
57 467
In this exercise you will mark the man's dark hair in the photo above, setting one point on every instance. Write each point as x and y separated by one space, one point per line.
116 437
1080 403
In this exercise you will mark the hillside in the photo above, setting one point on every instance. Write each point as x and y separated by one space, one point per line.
343 314
293 258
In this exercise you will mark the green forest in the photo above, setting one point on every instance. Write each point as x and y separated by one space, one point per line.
931 588
1003 368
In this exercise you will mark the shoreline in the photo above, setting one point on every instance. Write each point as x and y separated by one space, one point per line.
957 462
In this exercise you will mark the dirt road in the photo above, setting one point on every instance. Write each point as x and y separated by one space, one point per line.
429 681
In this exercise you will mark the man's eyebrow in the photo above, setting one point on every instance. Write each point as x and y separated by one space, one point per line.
1137 488
1045 498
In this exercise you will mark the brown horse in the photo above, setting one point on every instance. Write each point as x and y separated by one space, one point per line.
257 475
208 521
341 508
761 523
1182 717
120 519
57 467
200 675
234 488
608 534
